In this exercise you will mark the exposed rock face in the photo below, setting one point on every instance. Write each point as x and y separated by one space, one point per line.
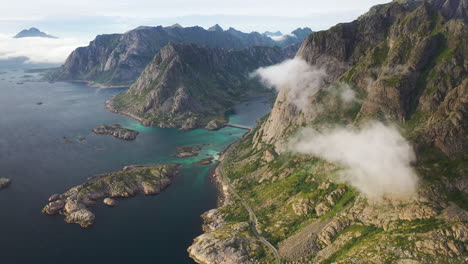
110 202
130 181
4 182
118 59
208 248
188 86
117 131
215 124
409 68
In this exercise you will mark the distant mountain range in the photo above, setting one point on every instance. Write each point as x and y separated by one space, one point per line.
33 32
119 59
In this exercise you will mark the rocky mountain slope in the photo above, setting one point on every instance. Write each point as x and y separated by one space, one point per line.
187 85
406 63
119 59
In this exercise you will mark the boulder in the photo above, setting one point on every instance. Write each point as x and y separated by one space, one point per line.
53 207
110 201
215 124
4 182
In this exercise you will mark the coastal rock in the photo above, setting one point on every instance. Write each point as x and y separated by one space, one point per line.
131 180
54 207
187 152
208 249
117 131
73 206
110 202
205 161
4 182
83 217
54 197
215 124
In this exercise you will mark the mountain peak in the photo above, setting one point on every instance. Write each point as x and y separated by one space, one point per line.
176 25
216 27
33 32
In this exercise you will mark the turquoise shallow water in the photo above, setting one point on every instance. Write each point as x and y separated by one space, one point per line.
143 229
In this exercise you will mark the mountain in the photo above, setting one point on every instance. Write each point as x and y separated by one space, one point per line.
187 85
406 64
296 36
302 33
33 32
216 27
118 59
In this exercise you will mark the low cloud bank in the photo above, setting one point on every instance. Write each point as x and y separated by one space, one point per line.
302 82
282 37
376 158
301 79
37 50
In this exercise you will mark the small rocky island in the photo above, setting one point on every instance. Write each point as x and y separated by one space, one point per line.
117 131
130 181
187 152
4 182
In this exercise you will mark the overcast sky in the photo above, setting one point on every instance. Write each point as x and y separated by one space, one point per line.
85 18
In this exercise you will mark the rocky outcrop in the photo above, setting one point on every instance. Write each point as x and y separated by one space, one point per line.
215 124
4 182
110 201
213 248
119 59
131 180
189 86
117 131
187 152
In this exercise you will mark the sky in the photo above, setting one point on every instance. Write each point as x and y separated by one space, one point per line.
76 22
87 18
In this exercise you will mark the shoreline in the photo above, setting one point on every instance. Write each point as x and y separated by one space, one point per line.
91 84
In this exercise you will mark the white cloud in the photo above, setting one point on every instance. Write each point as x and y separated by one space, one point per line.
301 79
282 37
376 158
37 50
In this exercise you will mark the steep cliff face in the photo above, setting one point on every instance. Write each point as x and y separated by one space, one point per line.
406 62
408 59
186 85
119 59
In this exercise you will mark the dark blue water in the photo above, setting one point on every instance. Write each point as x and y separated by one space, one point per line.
142 229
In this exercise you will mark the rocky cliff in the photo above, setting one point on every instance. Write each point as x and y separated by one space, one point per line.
406 64
119 59
187 85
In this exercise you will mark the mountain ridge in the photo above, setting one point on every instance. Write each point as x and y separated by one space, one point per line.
118 59
187 85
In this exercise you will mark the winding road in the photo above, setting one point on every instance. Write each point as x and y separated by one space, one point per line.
252 216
